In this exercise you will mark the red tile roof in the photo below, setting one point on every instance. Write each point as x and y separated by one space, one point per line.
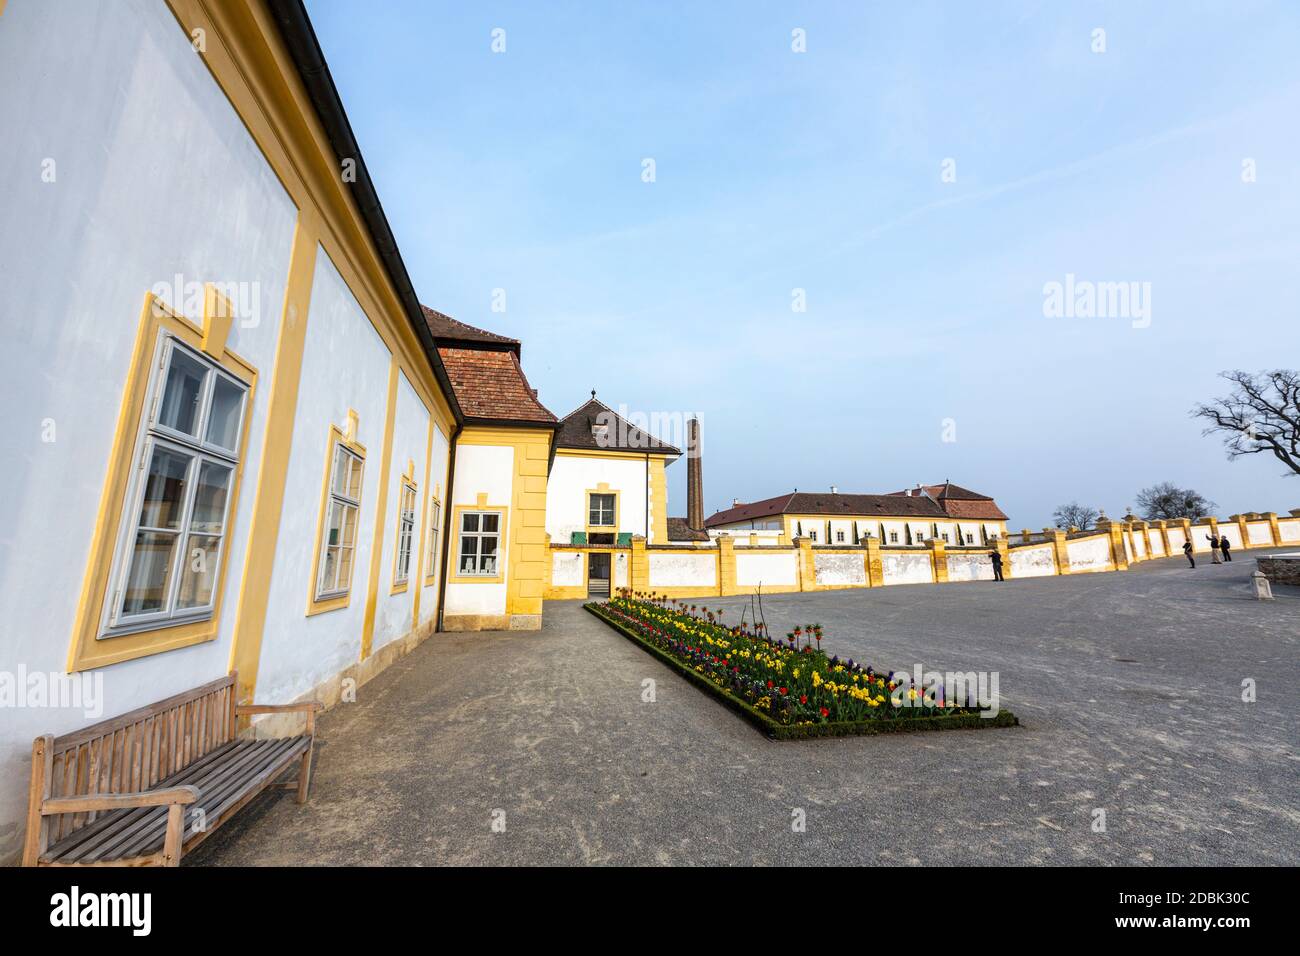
828 504
490 384
959 502
576 431
449 331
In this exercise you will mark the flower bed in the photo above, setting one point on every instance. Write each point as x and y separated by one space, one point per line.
790 689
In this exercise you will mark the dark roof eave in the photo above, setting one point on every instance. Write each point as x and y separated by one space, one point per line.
300 40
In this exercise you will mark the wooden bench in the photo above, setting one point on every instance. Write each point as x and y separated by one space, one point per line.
116 793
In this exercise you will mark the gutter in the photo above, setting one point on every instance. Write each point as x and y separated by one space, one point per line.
290 16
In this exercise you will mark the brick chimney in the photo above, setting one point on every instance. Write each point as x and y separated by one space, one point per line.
694 480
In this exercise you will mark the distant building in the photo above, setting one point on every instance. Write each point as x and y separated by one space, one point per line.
912 517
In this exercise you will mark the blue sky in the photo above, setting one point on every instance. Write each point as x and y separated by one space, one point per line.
821 171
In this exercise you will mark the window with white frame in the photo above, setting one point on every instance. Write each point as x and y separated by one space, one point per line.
338 543
600 511
168 558
480 540
405 533
435 522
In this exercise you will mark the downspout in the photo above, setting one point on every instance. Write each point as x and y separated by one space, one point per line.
647 498
447 512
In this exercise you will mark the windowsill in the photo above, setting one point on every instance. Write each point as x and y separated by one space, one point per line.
399 588
325 605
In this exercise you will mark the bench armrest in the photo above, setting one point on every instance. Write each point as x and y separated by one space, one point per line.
184 794
309 707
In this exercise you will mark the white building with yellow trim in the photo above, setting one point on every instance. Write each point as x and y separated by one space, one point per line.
237 443
607 487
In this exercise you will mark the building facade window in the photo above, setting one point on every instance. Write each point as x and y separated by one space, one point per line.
480 540
169 556
405 534
600 511
342 514
839 536
431 555
893 537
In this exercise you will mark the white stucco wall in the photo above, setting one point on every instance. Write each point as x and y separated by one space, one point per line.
970 567
1232 532
1032 562
573 475
906 567
1261 533
1089 554
767 570
683 570
481 469
345 366
1289 528
841 569
1139 544
394 613
1155 543
1176 540
133 203
620 569
567 569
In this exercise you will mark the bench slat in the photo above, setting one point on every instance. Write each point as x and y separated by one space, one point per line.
224 778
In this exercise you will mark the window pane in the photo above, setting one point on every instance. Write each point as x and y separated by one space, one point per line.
490 523
164 489
354 478
329 571
182 393
223 419
150 574
345 568
210 498
199 572
489 554
469 523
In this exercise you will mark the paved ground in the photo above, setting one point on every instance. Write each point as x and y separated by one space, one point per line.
1128 686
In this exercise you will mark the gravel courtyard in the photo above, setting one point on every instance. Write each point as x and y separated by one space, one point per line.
1128 686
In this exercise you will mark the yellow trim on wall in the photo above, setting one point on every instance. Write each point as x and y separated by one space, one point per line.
658 530
421 572
273 467
453 575
86 651
376 551
336 436
252 67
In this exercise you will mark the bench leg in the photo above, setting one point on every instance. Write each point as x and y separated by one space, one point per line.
175 835
304 777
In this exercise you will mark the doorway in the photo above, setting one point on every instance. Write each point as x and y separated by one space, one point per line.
598 574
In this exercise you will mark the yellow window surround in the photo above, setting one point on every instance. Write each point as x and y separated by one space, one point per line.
405 504
157 321
347 438
454 576
602 489
432 528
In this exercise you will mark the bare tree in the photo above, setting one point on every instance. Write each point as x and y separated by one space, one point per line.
1261 415
1075 515
1166 500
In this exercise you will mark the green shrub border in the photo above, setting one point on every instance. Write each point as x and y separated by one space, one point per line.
779 731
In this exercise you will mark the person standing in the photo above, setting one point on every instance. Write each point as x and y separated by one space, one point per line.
1225 546
1214 548
996 555
1187 550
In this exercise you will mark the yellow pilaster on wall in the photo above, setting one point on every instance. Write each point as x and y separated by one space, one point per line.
658 502
807 566
939 559
875 567
264 531
528 554
639 572
1163 528
1274 530
1002 548
1115 531
726 567
1060 551
381 513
